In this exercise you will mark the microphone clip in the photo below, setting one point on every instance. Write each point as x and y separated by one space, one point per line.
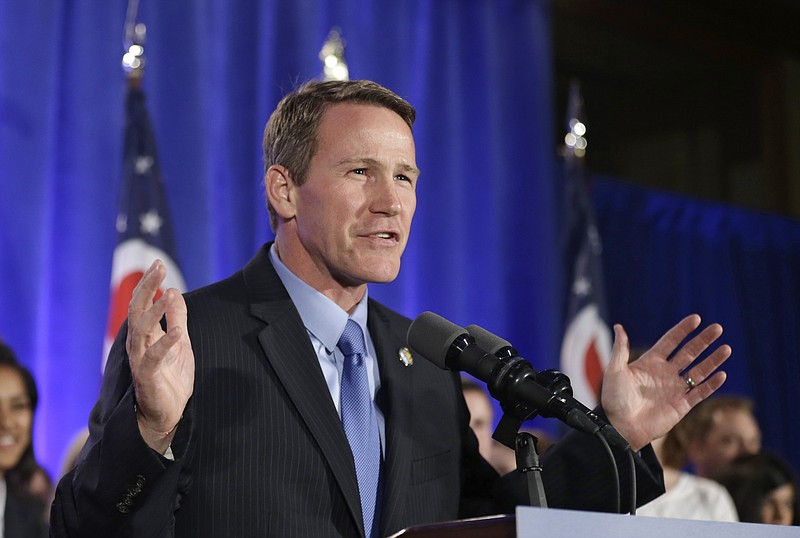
515 411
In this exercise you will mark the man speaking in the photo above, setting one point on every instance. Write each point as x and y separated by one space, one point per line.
281 401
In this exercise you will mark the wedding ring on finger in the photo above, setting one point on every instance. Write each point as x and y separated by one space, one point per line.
690 382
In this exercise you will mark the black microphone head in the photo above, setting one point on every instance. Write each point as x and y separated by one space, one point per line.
488 341
431 336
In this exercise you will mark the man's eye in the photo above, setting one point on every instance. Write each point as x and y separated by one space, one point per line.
359 171
401 177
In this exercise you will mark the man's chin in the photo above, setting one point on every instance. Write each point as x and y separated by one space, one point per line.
383 278
382 275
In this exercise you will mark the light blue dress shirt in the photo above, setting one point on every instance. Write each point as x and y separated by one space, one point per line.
324 321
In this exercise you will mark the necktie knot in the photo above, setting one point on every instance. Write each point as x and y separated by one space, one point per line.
352 340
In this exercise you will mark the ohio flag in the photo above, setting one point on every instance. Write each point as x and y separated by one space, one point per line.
586 347
144 231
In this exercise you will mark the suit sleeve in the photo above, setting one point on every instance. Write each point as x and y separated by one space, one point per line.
120 486
578 474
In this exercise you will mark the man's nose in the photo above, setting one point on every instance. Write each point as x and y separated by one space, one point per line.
385 197
748 447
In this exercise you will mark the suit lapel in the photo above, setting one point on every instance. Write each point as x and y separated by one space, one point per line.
289 351
395 387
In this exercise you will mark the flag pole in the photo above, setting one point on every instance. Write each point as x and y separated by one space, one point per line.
586 343
143 224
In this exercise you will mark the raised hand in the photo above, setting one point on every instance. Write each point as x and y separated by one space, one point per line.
646 398
162 363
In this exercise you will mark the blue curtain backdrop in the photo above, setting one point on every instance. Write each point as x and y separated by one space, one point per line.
666 256
484 246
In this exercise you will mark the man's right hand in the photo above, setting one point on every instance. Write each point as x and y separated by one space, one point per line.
162 363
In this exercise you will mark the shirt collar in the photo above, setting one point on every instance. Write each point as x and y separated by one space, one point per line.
323 318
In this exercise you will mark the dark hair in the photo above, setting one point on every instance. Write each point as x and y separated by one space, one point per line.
9 359
751 477
20 475
290 137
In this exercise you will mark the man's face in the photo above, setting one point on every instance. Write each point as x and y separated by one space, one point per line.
353 213
734 432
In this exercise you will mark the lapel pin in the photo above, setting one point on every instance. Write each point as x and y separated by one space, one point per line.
404 354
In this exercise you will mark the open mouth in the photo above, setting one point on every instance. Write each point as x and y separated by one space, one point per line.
385 237
7 441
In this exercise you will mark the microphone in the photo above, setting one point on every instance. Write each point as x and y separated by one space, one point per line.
502 349
512 381
551 379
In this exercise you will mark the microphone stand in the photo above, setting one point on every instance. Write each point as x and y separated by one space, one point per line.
524 446
515 413
528 464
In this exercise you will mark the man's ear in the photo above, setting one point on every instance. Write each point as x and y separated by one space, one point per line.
280 190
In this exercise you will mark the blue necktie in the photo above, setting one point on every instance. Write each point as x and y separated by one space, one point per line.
360 423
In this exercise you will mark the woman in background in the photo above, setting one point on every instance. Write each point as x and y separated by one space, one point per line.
763 488
22 511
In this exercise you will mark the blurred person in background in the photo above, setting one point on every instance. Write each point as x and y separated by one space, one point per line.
687 496
73 450
481 412
717 431
25 488
481 416
764 489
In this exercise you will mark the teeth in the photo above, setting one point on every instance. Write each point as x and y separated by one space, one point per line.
7 440
384 235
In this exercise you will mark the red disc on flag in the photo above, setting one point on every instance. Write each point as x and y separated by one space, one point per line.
120 298
593 368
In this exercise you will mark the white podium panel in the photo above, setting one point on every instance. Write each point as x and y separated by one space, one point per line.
553 523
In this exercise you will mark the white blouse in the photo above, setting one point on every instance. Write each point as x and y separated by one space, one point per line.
693 497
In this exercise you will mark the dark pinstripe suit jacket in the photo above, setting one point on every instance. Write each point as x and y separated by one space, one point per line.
260 450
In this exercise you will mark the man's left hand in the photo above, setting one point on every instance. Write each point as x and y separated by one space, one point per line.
644 399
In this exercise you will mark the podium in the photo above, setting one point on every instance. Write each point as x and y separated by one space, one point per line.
532 522
501 526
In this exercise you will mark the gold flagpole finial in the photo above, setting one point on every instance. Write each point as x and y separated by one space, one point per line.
334 66
135 33
575 140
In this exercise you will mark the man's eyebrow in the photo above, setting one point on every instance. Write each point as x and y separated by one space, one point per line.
358 160
410 169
